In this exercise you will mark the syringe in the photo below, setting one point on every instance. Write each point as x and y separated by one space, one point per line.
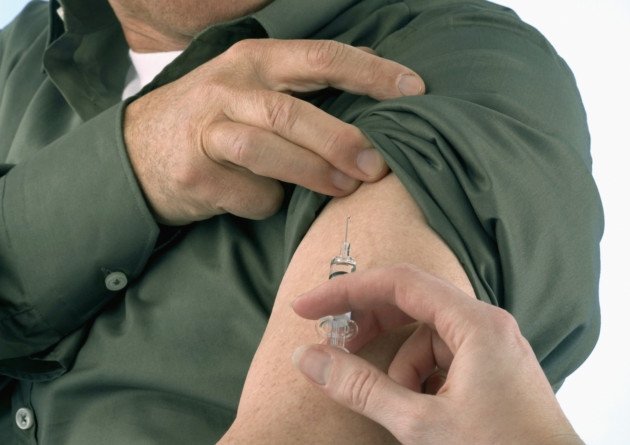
337 329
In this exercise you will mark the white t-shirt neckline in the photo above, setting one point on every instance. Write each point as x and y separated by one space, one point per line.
144 67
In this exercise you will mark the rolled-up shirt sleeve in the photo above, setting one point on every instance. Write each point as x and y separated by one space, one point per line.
497 156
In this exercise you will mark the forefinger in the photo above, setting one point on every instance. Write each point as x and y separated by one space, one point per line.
317 64
302 124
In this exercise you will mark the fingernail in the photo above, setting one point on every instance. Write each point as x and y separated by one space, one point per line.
313 363
343 181
410 85
371 162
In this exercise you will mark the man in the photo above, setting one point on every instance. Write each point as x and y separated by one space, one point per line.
147 245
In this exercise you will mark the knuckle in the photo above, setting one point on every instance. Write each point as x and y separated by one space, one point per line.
229 143
505 322
280 112
358 389
182 172
242 48
239 147
324 55
184 176
376 69
502 324
343 141
241 59
376 74
331 144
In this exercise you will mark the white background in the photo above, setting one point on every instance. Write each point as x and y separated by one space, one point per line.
594 38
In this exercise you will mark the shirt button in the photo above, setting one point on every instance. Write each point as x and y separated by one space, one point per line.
24 418
115 281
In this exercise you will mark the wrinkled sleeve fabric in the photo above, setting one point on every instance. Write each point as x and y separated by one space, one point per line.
497 156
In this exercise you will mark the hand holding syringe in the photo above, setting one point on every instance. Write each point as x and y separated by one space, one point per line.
337 329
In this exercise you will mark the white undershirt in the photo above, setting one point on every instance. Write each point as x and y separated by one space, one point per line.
144 67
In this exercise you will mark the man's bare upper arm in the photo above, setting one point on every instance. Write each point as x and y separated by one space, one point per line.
387 227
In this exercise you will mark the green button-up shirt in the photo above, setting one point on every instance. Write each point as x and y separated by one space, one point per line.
114 330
